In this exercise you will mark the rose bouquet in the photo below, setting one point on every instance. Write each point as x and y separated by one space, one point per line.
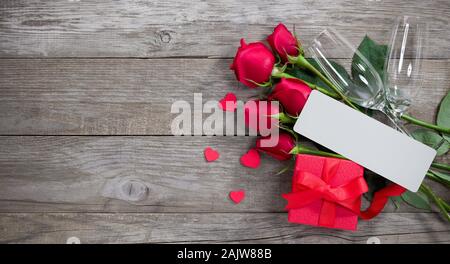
321 193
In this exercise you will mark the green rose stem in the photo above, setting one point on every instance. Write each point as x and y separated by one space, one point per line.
440 166
303 63
304 150
285 119
418 122
433 177
446 205
278 74
442 205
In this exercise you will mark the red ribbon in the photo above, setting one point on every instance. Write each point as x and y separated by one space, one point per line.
309 188
380 199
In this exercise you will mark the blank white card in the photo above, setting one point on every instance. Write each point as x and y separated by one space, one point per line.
365 140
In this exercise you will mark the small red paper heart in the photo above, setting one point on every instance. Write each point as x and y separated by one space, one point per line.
251 159
228 103
211 154
237 196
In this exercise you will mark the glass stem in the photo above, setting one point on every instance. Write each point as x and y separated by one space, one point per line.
394 119
422 123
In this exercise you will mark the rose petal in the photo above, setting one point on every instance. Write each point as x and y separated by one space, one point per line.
251 159
211 154
237 196
228 103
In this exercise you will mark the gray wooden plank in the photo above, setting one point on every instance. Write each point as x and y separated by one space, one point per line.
104 97
134 96
212 228
129 28
72 173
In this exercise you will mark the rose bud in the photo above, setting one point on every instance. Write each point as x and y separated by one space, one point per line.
281 150
253 64
292 95
256 111
283 42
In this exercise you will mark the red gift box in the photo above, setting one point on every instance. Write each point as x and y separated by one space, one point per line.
326 192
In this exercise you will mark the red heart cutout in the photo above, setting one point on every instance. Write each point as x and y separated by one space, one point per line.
237 196
211 154
251 159
228 103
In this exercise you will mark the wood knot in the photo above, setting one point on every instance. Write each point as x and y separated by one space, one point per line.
165 36
133 190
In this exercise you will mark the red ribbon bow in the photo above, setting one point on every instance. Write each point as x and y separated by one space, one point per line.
309 188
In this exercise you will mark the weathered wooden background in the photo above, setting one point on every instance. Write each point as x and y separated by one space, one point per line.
86 88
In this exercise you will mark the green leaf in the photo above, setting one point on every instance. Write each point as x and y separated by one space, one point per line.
307 75
374 53
417 200
302 74
432 139
443 117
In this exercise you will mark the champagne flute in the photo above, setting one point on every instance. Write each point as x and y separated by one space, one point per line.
404 76
365 87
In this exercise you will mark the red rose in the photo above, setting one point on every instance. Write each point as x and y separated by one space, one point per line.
292 94
253 62
283 42
256 111
281 150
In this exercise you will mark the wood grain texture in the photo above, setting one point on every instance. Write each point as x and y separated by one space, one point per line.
134 96
71 174
212 228
130 28
81 112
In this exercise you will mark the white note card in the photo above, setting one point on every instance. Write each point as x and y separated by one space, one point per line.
365 141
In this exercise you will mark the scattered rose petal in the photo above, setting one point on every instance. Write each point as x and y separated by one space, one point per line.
228 103
211 154
237 196
251 159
